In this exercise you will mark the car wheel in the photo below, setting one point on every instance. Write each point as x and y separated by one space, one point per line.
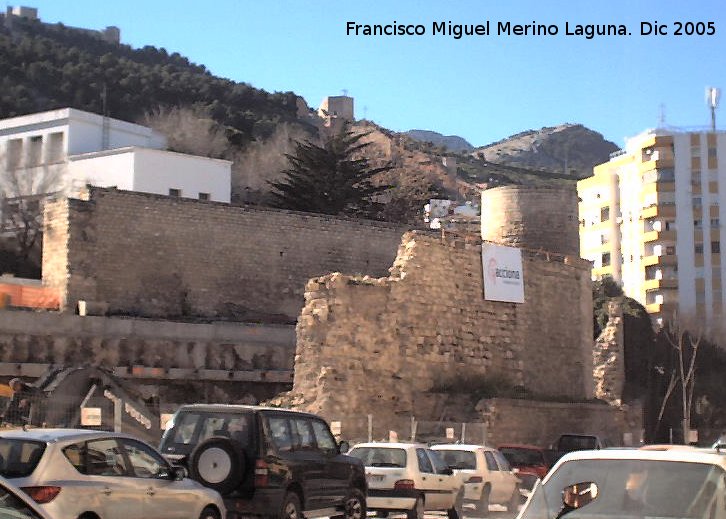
457 511
291 508
210 513
417 512
513 504
482 506
219 464
354 506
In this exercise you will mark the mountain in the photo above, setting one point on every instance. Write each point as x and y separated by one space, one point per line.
569 149
452 142
48 66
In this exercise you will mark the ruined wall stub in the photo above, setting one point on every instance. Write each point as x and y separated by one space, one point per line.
156 256
368 345
609 357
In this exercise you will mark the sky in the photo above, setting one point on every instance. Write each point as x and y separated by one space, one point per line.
481 87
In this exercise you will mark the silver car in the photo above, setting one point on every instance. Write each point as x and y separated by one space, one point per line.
15 504
75 473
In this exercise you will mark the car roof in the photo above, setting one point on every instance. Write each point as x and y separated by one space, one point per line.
461 447
392 445
520 446
680 453
240 408
56 435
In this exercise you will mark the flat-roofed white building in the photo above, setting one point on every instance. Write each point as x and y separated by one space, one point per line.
63 149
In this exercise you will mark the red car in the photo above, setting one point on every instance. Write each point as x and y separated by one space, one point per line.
531 462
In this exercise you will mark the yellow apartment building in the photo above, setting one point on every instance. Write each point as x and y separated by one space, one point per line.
651 218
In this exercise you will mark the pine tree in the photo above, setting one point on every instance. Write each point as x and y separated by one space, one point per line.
333 178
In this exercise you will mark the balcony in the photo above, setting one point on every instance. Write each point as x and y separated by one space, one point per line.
664 260
653 284
665 210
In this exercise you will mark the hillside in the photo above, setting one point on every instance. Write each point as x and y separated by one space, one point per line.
44 67
569 149
451 142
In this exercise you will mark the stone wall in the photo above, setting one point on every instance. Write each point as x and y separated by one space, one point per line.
176 358
157 256
367 345
541 423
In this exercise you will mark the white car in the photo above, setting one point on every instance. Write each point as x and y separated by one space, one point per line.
411 478
488 477
15 504
76 473
653 481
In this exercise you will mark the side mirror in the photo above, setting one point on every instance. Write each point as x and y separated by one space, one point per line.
178 473
343 447
580 494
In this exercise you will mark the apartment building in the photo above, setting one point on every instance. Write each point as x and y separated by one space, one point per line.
651 218
63 150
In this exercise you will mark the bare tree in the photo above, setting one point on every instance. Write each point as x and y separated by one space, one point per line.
190 130
684 336
22 191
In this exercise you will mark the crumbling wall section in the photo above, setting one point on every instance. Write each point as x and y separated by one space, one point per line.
371 345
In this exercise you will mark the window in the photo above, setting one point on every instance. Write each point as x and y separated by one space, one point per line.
204 196
35 150
699 248
716 247
439 465
695 150
55 147
502 462
280 433
604 213
606 259
14 151
424 463
145 462
323 436
491 462
715 222
175 192
305 438
711 152
696 201
697 224
104 458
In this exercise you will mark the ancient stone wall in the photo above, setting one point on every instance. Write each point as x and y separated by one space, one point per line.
367 345
232 357
157 256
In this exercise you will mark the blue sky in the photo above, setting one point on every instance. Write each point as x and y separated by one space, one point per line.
482 88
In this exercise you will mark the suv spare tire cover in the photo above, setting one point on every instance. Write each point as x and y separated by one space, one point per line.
218 463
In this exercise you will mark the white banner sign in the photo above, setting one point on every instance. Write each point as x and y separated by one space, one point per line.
91 416
503 276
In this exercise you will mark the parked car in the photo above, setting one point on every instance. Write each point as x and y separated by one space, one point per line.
411 478
654 481
16 504
267 461
74 473
530 461
488 477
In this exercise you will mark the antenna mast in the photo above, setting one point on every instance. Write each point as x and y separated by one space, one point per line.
712 97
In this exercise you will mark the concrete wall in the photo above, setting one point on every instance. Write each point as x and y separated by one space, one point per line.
369 345
157 256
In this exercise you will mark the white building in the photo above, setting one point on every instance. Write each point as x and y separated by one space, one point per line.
64 149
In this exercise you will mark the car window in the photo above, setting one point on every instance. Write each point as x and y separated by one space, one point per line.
280 433
19 457
323 436
212 426
458 459
182 432
304 436
491 462
13 506
521 456
380 456
145 462
502 461
74 454
104 458
424 463
440 467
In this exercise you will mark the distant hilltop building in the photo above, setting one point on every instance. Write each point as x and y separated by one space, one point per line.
110 34
336 110
651 218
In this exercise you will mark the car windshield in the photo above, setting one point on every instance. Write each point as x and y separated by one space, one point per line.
380 456
633 488
522 456
458 459
19 457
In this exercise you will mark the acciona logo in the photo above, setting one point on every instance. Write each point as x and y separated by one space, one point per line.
503 276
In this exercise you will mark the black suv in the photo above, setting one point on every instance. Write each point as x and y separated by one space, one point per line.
267 461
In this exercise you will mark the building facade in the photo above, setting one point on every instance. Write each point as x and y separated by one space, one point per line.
650 217
62 150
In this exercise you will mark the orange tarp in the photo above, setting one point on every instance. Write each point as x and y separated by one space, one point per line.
28 296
